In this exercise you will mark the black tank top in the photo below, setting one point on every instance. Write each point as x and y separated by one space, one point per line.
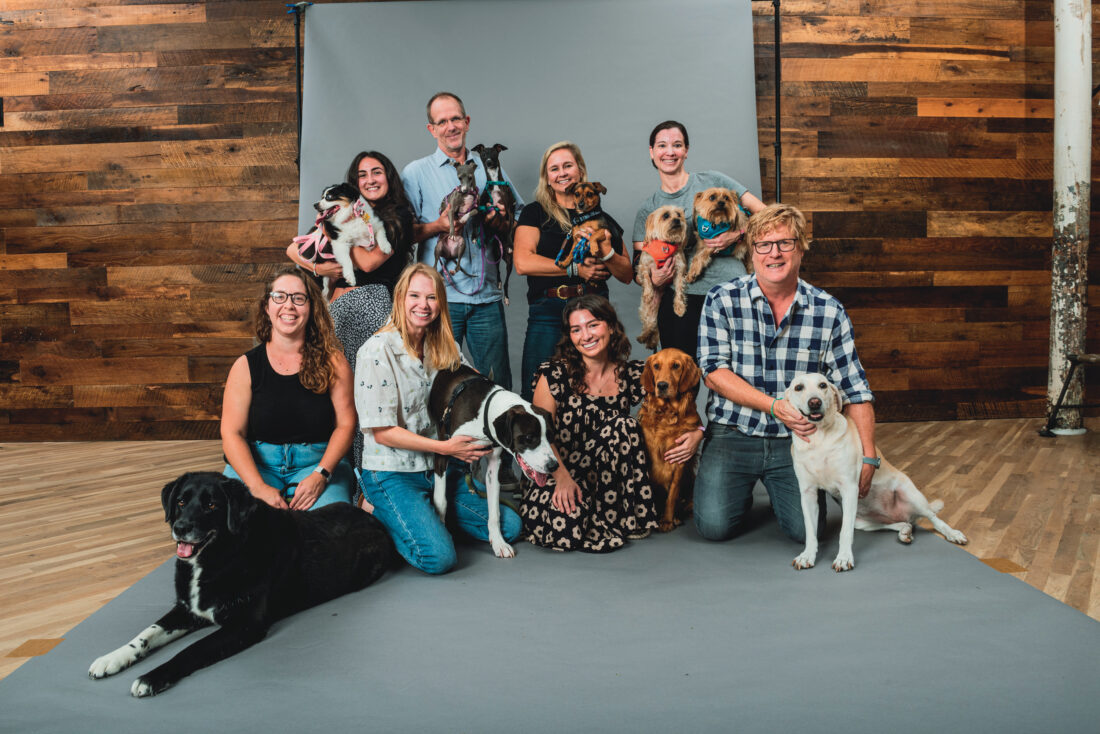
282 411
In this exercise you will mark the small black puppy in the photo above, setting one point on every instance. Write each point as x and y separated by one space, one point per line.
498 194
243 565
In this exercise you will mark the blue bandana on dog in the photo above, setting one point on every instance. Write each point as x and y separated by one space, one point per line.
709 230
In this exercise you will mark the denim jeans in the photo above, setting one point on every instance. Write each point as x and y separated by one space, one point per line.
283 465
729 467
482 326
403 503
543 332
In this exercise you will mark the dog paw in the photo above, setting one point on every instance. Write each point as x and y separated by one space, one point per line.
906 535
843 562
111 663
502 549
667 526
956 537
140 689
804 560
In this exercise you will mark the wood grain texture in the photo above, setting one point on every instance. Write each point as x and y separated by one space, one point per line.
147 185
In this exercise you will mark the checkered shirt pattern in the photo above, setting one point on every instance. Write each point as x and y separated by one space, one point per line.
737 332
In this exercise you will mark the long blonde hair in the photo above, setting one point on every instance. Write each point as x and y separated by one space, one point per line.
321 346
440 350
544 195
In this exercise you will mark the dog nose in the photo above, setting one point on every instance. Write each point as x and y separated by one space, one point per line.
814 404
662 386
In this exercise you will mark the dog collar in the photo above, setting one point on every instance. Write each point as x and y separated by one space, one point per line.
445 419
709 230
659 250
582 217
485 412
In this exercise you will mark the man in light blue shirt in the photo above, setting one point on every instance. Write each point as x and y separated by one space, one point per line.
473 288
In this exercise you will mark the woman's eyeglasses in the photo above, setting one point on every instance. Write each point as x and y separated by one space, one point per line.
763 247
298 299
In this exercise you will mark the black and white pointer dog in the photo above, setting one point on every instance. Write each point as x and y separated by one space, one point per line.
242 565
464 402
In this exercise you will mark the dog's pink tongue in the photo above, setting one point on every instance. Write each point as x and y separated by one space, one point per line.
540 478
184 550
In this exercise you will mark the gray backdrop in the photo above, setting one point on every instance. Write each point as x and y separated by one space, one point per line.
601 73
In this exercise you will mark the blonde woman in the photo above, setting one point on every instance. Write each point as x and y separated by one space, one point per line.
540 233
393 377
287 413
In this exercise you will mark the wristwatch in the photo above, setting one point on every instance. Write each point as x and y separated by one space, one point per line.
873 461
323 472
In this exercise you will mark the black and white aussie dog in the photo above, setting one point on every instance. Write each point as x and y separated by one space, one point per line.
464 402
344 220
243 565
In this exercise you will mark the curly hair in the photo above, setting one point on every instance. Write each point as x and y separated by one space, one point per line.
618 348
392 208
321 346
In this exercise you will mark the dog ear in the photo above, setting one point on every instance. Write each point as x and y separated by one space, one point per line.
648 382
547 415
500 147
571 188
695 202
599 187
479 149
168 496
836 394
239 503
690 375
502 424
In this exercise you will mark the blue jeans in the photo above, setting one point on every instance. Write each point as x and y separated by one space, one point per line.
403 503
283 465
729 467
482 326
543 332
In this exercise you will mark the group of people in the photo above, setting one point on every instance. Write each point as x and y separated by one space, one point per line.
332 405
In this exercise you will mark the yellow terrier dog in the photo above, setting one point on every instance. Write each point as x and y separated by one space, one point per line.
716 212
665 235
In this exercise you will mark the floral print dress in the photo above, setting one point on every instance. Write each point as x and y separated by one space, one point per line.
603 449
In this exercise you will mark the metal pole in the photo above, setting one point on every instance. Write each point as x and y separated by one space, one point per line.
1072 163
778 144
299 10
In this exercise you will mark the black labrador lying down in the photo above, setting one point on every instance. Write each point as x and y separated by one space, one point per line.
243 565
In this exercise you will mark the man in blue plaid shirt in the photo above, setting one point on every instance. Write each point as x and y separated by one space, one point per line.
756 334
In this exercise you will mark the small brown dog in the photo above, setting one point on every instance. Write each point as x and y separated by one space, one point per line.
671 382
665 235
589 222
716 211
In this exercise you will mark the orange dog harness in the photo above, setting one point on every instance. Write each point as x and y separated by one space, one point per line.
659 250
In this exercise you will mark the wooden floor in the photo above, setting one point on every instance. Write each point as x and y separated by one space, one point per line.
81 522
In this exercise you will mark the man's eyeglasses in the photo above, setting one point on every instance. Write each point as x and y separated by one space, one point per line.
456 121
298 299
763 247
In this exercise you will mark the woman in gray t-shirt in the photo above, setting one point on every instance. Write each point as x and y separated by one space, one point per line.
668 149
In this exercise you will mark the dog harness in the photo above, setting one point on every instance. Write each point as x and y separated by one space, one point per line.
317 245
445 419
709 230
659 250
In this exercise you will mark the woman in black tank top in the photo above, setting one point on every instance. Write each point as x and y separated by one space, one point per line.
288 415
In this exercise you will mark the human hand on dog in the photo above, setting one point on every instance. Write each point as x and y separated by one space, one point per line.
866 474
307 492
662 274
724 240
793 419
465 448
593 270
270 495
684 448
566 495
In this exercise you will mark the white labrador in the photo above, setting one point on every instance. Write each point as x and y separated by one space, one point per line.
832 460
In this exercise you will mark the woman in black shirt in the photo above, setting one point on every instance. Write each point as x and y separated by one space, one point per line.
540 234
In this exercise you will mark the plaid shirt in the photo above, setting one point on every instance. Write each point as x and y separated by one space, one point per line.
737 332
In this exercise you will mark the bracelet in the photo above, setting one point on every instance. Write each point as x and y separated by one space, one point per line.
701 428
607 257
774 401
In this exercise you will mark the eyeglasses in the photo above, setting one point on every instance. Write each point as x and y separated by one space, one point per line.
298 299
456 121
763 247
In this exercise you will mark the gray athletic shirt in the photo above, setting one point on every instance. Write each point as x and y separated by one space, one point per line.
722 268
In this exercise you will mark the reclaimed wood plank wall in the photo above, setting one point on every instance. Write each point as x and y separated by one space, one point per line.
148 186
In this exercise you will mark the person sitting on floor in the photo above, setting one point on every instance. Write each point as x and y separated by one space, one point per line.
287 414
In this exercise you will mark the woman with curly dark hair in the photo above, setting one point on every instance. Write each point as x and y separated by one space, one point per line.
288 414
600 496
